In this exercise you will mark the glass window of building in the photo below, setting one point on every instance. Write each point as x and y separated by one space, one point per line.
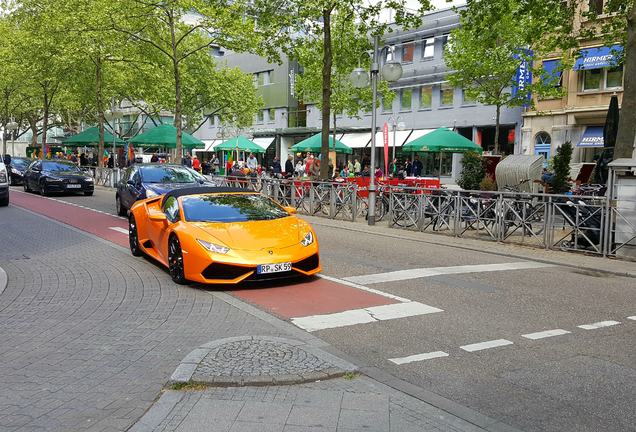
592 79
426 97
542 138
614 77
407 52
386 106
406 98
467 99
261 79
271 115
446 95
445 40
260 116
428 48
595 6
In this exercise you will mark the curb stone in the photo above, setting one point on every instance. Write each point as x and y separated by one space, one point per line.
4 280
334 367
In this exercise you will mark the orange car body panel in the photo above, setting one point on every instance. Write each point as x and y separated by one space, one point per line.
251 243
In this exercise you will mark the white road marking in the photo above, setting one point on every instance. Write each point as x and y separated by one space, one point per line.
119 229
598 325
363 288
486 345
545 334
633 318
418 357
362 316
436 271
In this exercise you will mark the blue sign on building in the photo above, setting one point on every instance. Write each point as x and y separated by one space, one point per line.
598 58
523 77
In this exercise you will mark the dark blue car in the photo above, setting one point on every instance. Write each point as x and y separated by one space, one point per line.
147 180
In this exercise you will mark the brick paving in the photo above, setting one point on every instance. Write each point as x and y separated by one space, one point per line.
89 334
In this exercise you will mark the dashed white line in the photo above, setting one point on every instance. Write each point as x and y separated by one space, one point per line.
486 345
119 229
545 334
363 288
633 318
598 325
437 271
418 357
363 316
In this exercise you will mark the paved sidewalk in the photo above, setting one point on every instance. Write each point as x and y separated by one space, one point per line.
587 262
338 405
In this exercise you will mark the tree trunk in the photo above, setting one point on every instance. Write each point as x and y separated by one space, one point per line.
626 136
497 116
177 90
100 111
326 93
334 142
45 124
33 125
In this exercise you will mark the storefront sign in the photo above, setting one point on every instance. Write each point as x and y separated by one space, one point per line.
385 137
523 77
292 82
598 58
592 137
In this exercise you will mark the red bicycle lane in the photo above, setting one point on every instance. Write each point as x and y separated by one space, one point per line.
316 296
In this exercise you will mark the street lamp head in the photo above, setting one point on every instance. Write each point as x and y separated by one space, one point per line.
113 114
401 126
11 126
359 78
392 71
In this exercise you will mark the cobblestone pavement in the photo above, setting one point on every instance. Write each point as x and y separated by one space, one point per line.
328 406
89 334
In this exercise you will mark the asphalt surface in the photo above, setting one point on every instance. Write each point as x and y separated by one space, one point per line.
581 380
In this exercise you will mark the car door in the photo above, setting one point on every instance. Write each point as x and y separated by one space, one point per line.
131 188
161 231
35 172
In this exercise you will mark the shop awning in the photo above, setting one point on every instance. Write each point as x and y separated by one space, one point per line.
400 138
356 140
592 137
264 142
598 57
209 145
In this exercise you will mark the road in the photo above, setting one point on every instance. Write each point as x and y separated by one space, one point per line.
539 347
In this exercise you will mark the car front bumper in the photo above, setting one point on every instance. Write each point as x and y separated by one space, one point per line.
4 191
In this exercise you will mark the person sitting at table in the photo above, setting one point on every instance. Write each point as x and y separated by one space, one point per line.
365 171
378 172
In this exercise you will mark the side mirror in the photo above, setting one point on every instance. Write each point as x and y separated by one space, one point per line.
290 210
157 217
130 182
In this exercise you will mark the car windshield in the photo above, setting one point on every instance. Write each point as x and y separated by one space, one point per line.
164 174
230 208
59 166
20 163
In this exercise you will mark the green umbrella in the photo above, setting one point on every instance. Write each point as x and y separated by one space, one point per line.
240 143
314 144
90 138
442 140
165 136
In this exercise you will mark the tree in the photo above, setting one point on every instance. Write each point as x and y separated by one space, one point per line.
473 171
561 165
349 48
176 36
488 48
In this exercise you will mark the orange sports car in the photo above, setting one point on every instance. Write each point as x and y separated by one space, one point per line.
221 235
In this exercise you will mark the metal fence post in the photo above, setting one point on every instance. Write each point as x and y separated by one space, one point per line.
354 202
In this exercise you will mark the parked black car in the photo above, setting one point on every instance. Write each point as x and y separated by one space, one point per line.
17 168
49 176
147 180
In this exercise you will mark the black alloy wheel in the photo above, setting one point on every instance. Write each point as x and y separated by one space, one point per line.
26 186
43 191
121 210
133 237
175 261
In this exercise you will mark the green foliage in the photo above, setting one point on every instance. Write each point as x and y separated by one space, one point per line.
473 171
561 183
488 184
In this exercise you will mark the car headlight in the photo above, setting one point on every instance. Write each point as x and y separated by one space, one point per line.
308 239
15 171
214 247
89 179
51 179
150 193
3 177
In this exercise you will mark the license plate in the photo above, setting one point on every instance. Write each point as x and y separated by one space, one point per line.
274 268
73 186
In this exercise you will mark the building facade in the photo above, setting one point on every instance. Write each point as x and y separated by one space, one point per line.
578 116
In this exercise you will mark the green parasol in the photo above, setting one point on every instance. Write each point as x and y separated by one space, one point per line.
165 136
314 144
90 138
442 140
240 143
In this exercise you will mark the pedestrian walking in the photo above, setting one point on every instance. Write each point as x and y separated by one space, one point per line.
216 165
289 166
357 169
417 166
196 164
187 160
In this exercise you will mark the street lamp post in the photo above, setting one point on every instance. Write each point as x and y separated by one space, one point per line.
12 126
396 125
114 115
391 71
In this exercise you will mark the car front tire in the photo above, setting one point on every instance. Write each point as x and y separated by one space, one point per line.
26 186
133 237
175 261
4 201
121 210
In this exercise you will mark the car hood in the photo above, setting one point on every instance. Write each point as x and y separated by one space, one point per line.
66 175
256 235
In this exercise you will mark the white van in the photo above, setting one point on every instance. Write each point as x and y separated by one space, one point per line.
4 185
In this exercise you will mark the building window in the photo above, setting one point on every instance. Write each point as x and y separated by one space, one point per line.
542 138
426 97
260 116
386 107
428 48
595 6
407 52
271 115
592 79
445 40
262 78
406 98
614 77
467 99
446 95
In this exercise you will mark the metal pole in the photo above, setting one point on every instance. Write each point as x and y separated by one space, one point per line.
13 143
394 138
374 89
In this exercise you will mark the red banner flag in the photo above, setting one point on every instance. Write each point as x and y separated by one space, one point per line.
385 136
